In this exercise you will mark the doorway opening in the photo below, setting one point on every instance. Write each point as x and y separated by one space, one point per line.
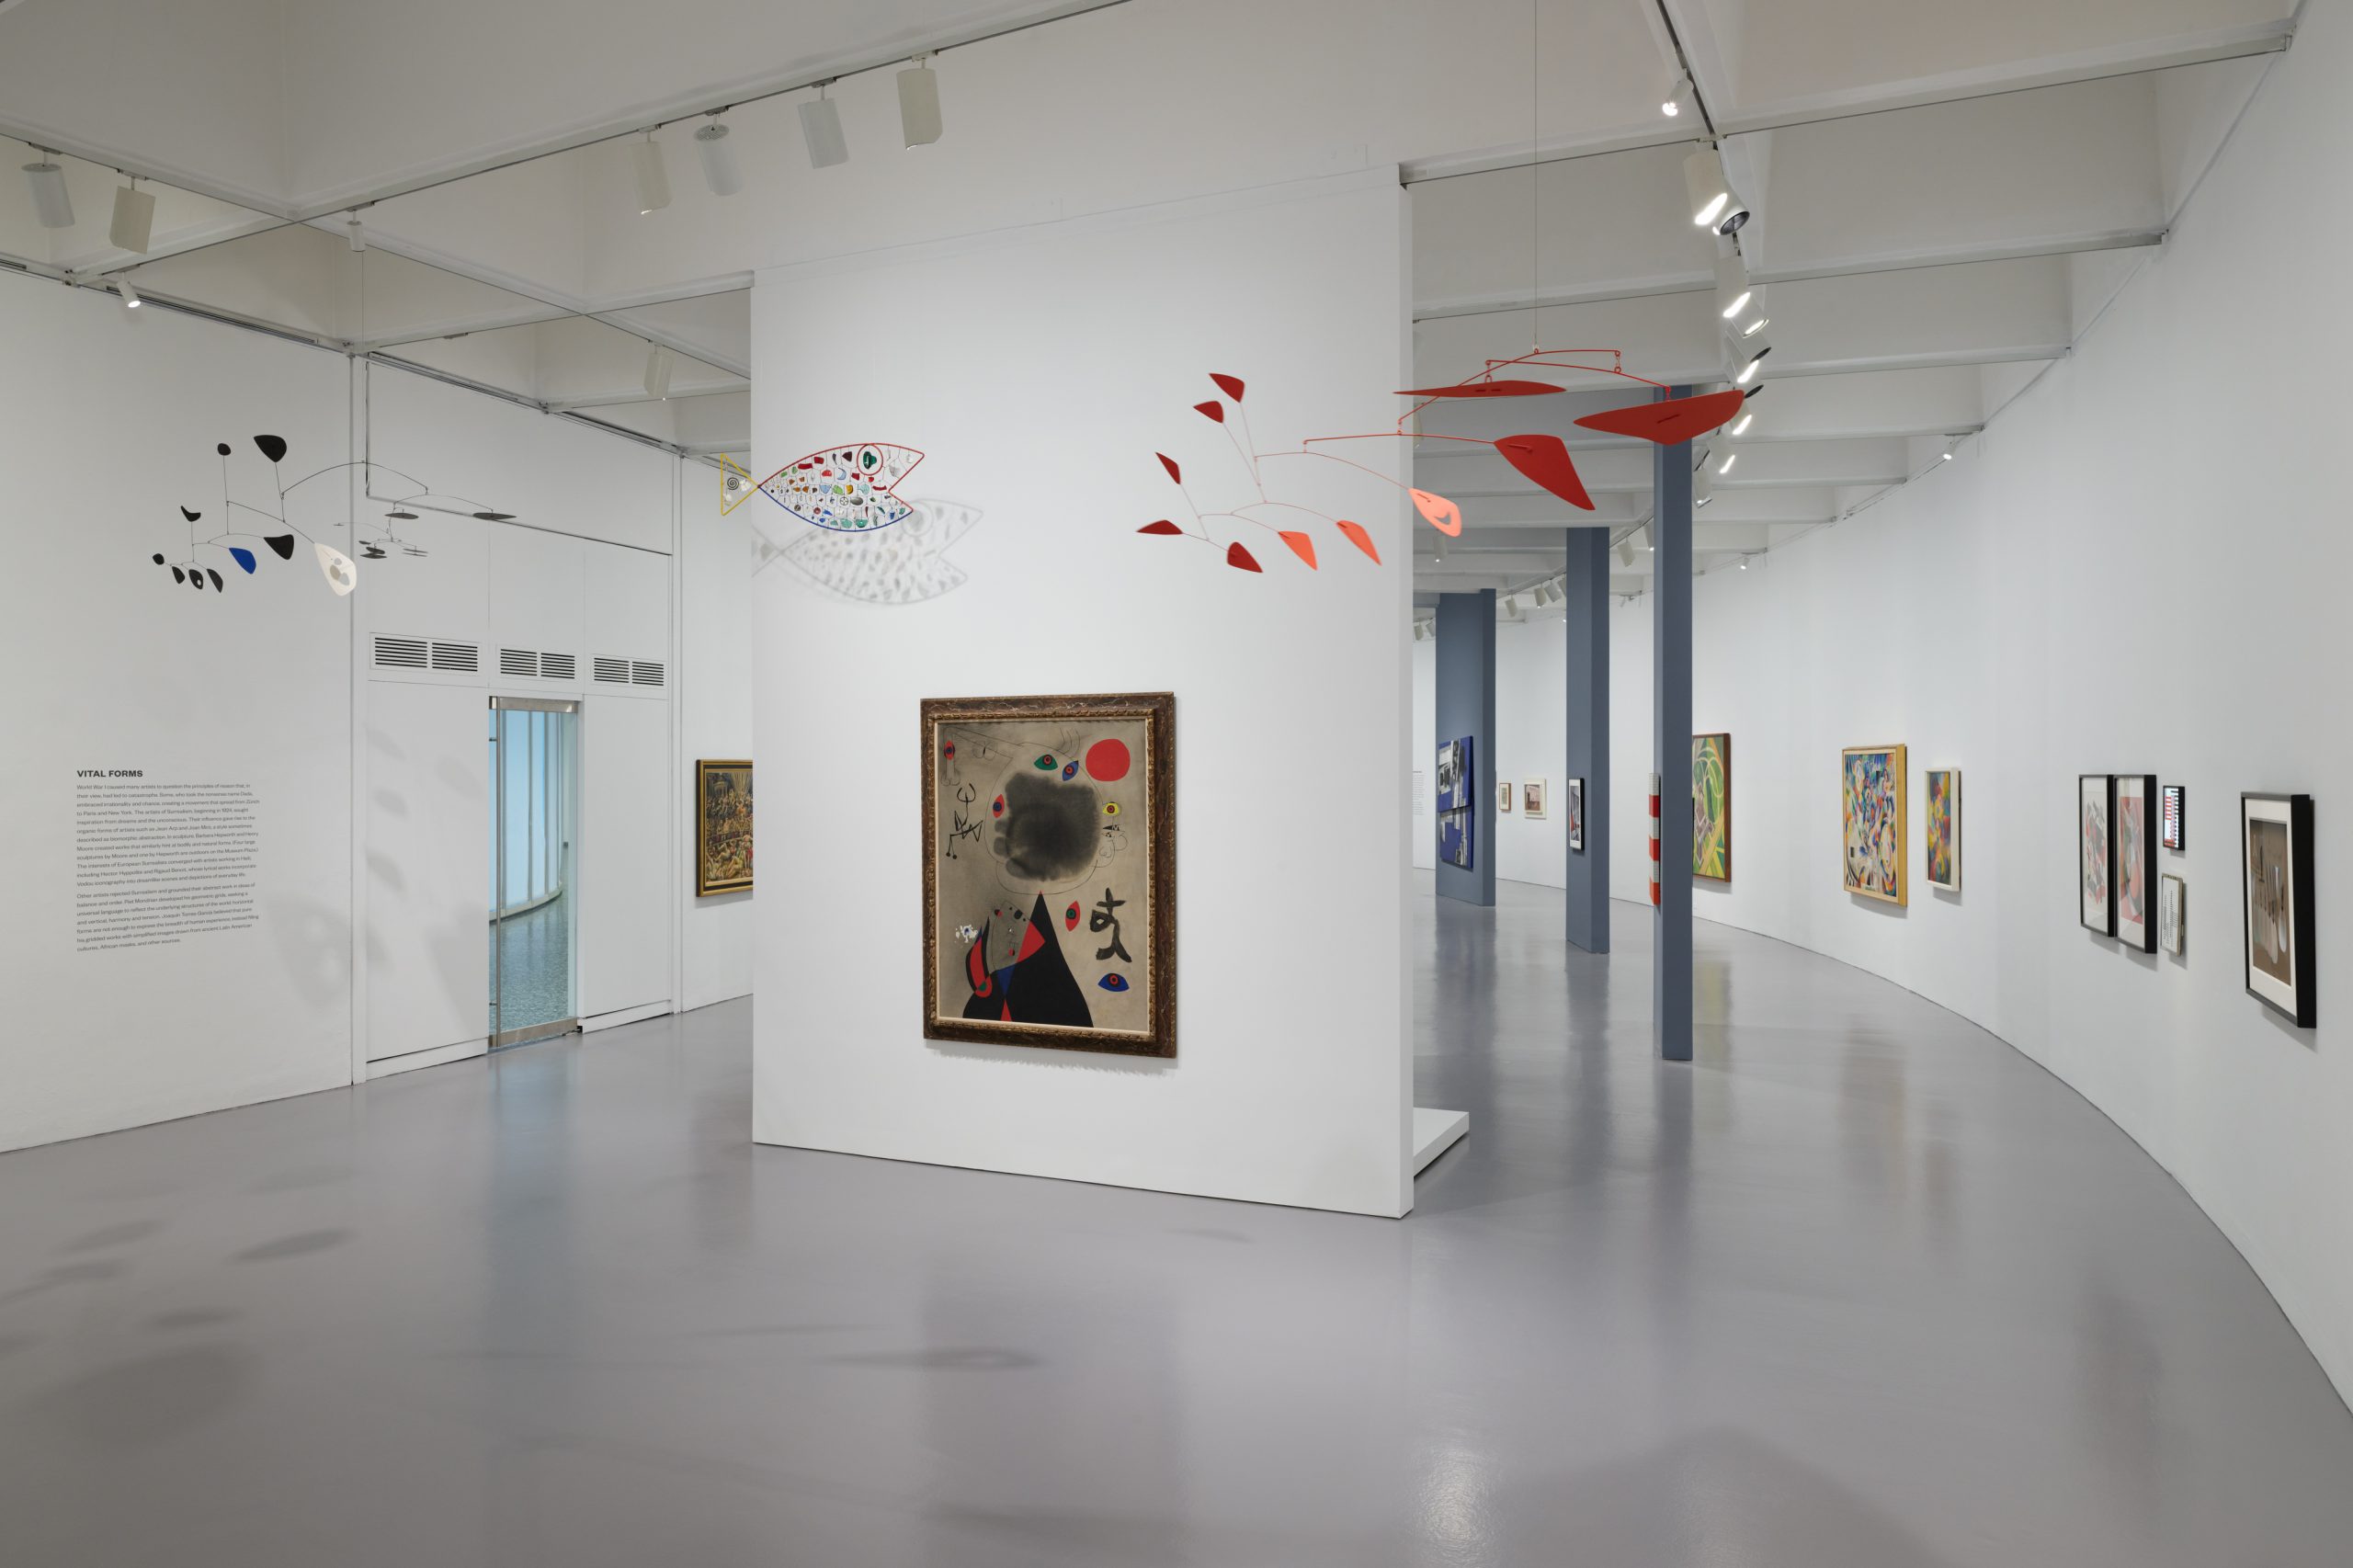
534 901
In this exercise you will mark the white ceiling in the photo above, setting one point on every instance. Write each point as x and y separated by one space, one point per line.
1944 201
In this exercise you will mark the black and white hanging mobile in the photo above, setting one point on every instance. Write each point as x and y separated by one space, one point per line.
341 572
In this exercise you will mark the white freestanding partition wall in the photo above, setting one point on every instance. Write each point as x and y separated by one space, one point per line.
1040 372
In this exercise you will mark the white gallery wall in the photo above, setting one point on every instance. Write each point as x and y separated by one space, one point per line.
1041 370
332 800
2139 567
1425 754
715 717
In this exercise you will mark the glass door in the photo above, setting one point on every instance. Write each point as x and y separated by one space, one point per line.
534 758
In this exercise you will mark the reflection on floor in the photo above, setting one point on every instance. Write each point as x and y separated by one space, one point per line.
531 958
1861 1288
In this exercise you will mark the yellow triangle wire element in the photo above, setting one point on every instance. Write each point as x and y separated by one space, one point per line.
735 486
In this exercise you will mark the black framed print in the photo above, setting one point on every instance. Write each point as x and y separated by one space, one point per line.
2275 869
2095 880
2129 870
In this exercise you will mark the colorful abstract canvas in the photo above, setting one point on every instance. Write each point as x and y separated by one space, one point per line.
2275 847
1870 817
1454 837
1576 814
1049 871
2173 913
1712 807
847 489
722 827
2132 819
1941 839
1454 776
2095 805
1532 800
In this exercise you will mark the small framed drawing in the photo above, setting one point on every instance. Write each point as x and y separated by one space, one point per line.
2095 803
2172 912
2276 848
1503 794
1576 815
2170 817
723 827
1049 871
1532 800
2131 818
1942 836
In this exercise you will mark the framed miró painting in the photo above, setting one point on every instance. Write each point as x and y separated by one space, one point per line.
1940 838
2133 821
1871 823
2096 882
2276 849
1712 807
722 827
1049 871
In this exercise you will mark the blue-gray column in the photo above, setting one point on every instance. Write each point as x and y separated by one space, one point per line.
1586 583
1466 705
1671 745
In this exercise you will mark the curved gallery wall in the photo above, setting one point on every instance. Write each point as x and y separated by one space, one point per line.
2141 567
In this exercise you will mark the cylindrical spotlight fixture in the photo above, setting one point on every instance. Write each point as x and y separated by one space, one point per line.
1748 356
1714 204
820 128
1733 292
1752 318
719 171
130 300
134 218
1676 98
1703 487
53 203
653 176
658 372
1731 456
919 103
1739 426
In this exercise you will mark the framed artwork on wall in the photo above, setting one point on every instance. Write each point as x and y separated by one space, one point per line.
1870 820
2095 804
1941 839
1454 776
1049 871
1576 815
2276 850
1532 798
722 827
2170 817
1712 807
1503 794
2131 820
1454 837
2172 912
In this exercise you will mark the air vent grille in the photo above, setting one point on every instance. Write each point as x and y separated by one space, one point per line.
462 657
517 661
613 670
644 674
401 652
556 666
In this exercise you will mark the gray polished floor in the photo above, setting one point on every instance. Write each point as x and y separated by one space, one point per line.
1861 1288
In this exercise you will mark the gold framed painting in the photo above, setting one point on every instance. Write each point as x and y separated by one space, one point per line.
722 827
1711 806
1049 871
1871 823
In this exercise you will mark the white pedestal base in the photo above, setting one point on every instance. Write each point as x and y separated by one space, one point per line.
1435 1133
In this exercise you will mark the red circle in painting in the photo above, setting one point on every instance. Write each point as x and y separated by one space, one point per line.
1107 760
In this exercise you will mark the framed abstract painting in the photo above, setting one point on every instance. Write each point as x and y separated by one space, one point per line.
1576 815
2095 805
2276 849
1454 837
2173 913
1454 776
1042 814
1532 800
1712 807
1871 823
722 827
1940 840
2132 823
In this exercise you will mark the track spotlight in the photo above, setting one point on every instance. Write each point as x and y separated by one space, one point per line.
820 128
1733 292
1740 425
130 300
1703 487
1952 444
653 176
1731 456
134 218
1714 204
52 204
1752 320
1677 98
1625 551
919 103
658 372
355 234
1748 356
719 171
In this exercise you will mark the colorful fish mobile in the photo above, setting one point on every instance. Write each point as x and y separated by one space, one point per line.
847 489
